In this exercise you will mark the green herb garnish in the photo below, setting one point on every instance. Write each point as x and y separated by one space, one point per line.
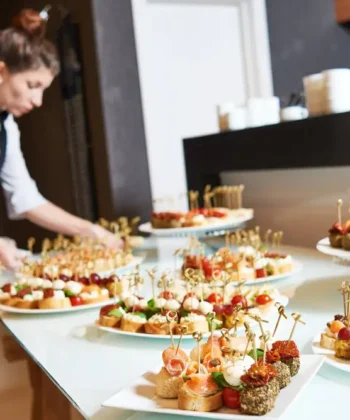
222 383
116 312
259 353
140 314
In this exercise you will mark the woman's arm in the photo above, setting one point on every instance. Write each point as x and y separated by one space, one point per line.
52 217
25 201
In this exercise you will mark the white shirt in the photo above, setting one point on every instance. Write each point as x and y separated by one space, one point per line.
21 192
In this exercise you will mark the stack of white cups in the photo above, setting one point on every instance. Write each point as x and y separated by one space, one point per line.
337 90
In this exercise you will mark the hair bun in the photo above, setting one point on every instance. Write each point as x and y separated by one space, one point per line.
30 22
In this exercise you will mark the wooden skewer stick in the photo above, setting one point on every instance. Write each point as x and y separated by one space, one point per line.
297 318
171 317
183 330
281 313
31 242
265 338
339 207
198 336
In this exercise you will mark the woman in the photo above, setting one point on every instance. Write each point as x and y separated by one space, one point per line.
28 65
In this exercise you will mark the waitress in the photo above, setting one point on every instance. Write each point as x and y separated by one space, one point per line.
28 65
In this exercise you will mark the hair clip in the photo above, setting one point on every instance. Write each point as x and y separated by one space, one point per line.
44 14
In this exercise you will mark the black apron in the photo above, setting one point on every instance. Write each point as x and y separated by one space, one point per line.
3 138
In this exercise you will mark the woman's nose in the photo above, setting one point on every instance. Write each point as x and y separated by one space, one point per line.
37 100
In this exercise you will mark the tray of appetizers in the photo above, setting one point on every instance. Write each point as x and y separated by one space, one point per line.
33 295
165 224
334 342
247 264
337 244
134 315
223 377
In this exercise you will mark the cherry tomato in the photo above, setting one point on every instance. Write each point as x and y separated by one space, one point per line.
105 309
231 398
344 334
214 298
229 309
113 279
207 267
167 295
24 292
263 299
189 295
260 272
192 261
76 300
49 293
63 277
239 299
7 288
219 309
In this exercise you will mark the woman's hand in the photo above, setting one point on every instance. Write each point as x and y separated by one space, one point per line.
10 256
106 237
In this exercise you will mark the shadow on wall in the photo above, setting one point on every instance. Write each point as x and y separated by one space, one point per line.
300 202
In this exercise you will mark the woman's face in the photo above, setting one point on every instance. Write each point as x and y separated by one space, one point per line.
21 92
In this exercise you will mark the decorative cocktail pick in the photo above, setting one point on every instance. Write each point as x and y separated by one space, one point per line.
339 207
267 236
297 318
249 339
343 292
281 313
176 253
171 317
259 321
265 338
183 330
198 337
211 319
152 274
31 242
240 197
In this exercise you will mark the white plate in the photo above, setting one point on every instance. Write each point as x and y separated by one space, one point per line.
324 246
143 335
330 359
133 263
283 300
5 308
231 223
297 266
140 396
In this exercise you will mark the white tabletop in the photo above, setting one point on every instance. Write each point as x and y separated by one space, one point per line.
90 366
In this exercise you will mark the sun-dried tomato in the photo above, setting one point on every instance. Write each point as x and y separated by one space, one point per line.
272 356
259 374
286 350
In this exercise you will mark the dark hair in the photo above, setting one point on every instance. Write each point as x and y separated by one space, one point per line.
23 46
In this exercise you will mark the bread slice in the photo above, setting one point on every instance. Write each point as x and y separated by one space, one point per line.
286 268
52 303
159 329
26 304
191 402
327 342
199 326
131 326
99 299
167 386
109 321
342 349
13 301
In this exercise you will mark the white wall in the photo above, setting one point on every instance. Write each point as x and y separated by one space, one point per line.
300 202
192 55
